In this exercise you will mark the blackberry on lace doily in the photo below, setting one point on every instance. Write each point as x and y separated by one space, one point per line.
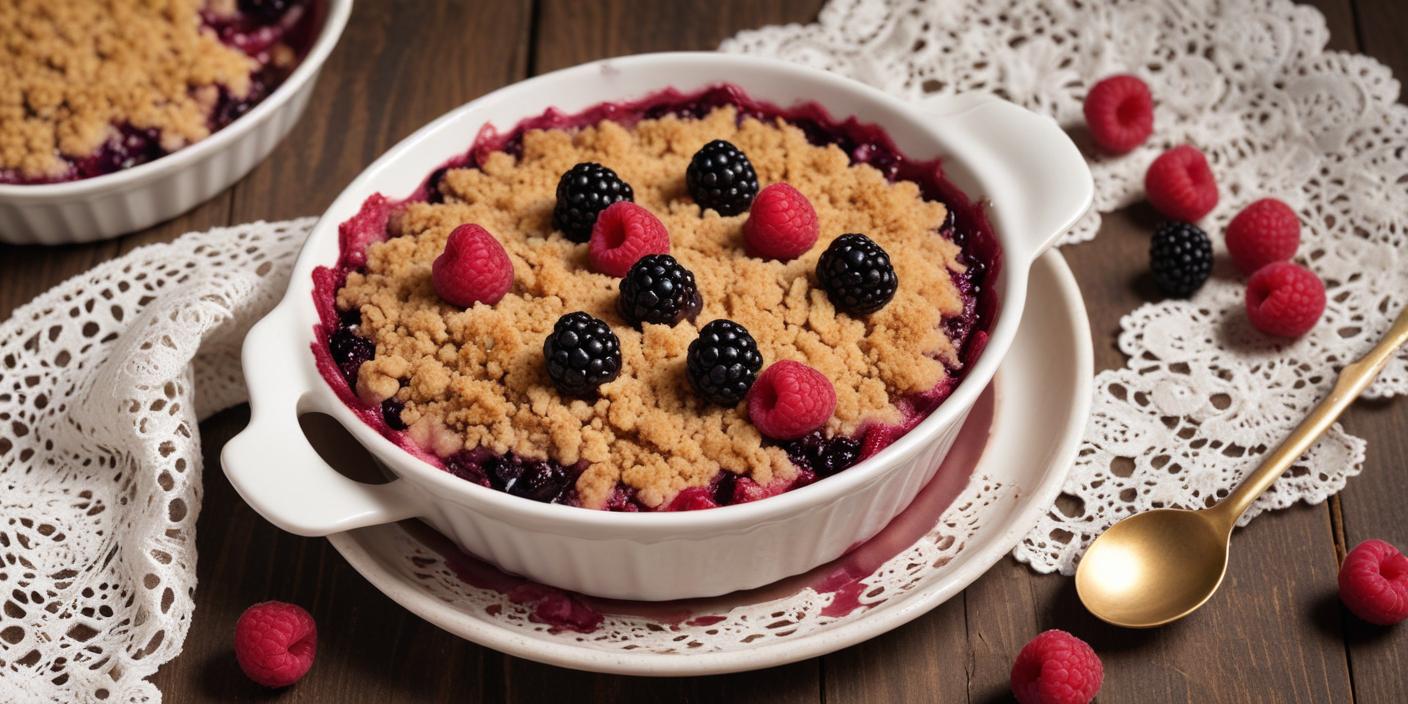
106 376
1251 84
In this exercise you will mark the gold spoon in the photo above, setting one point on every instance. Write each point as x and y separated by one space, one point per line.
1157 567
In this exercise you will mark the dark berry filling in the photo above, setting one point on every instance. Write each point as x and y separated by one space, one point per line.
816 455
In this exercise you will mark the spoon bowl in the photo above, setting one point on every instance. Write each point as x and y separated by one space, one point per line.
1155 567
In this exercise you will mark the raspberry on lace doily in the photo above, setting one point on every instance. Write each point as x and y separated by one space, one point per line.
1251 84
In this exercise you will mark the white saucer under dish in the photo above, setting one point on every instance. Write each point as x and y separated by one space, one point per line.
1042 396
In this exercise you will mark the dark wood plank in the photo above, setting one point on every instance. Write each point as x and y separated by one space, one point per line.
572 32
376 88
26 272
1371 505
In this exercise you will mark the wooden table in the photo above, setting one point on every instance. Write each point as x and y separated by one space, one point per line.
1276 632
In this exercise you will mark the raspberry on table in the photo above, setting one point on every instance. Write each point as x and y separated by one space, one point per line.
474 268
1374 582
1284 299
781 224
1180 184
1264 232
1056 668
581 354
720 176
723 362
275 643
1180 257
582 193
789 400
1120 113
857 275
658 290
624 232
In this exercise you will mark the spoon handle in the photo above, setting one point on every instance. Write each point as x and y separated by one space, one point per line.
1353 379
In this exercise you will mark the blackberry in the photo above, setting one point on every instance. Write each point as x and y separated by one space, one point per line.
391 413
823 455
721 177
658 290
581 354
1180 257
723 362
857 275
539 480
266 11
349 352
583 192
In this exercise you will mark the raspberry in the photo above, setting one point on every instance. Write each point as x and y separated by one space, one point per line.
275 643
658 290
723 362
789 400
583 192
474 268
1284 299
720 176
624 232
1056 668
857 275
1180 257
781 224
1180 184
1265 231
1120 113
581 354
1374 582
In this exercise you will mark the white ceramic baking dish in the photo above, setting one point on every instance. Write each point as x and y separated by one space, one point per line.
121 202
1038 185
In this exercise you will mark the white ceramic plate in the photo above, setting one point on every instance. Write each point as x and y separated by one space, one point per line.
1042 401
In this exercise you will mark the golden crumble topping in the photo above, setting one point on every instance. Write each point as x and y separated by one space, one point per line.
476 378
72 69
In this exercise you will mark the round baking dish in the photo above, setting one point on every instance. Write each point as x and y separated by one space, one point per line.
123 201
1036 183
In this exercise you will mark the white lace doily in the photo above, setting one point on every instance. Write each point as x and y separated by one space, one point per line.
1251 84
106 376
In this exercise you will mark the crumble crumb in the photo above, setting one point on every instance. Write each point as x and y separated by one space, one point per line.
475 378
72 70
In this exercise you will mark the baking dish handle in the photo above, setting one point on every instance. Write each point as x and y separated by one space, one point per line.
274 467
1023 162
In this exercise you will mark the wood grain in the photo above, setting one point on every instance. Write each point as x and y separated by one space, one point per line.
1276 633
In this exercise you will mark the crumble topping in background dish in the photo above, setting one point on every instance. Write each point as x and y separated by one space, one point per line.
469 387
89 88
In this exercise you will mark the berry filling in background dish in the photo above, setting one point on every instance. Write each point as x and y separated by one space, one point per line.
890 314
182 73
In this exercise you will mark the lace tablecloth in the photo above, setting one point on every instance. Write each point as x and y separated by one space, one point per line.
107 375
